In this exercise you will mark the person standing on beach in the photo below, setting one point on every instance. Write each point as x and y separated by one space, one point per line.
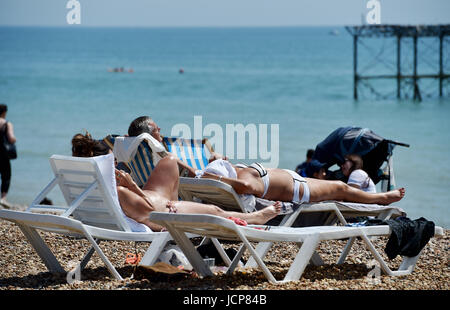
5 164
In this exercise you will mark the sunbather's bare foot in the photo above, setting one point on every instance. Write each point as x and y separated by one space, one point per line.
264 215
394 195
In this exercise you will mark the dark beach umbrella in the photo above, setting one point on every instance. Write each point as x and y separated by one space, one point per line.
373 148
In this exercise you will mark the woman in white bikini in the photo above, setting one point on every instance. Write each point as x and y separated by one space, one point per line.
274 184
287 185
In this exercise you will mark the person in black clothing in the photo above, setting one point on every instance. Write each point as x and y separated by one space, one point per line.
315 169
301 168
5 164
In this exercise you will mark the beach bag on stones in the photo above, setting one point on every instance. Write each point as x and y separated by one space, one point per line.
9 149
173 255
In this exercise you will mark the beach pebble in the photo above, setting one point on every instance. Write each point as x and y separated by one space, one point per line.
22 269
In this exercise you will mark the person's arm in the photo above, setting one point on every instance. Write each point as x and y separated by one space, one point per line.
124 179
182 165
10 133
215 156
240 186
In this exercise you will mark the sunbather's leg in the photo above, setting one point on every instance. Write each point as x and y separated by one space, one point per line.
164 178
161 191
139 207
161 187
321 190
258 217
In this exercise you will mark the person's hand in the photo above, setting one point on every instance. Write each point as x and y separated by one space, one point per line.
124 179
215 156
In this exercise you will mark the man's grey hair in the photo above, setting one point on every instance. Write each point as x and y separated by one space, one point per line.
140 125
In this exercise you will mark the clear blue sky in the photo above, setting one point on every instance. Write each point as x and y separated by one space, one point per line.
221 12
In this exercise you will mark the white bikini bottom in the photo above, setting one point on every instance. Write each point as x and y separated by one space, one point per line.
297 181
295 176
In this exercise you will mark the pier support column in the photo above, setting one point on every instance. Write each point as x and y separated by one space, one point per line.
441 64
355 67
417 95
399 67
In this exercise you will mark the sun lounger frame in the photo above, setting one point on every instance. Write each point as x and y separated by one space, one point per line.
308 239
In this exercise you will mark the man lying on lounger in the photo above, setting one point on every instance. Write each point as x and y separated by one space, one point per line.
145 124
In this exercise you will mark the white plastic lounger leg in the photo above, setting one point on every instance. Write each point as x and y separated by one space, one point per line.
87 257
346 250
261 249
44 192
41 249
289 219
335 216
258 259
386 215
380 259
189 250
205 241
408 263
102 255
339 215
155 249
236 260
302 258
221 251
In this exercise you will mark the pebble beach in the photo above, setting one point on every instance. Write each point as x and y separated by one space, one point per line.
22 269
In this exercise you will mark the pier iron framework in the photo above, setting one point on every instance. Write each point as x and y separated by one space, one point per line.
427 45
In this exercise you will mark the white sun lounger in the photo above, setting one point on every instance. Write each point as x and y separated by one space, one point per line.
223 195
92 212
309 238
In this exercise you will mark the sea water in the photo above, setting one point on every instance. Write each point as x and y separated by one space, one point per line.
56 83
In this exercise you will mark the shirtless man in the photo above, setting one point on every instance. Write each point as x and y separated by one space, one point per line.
145 124
287 185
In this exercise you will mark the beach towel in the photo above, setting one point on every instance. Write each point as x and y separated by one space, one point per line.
106 165
125 148
140 154
224 168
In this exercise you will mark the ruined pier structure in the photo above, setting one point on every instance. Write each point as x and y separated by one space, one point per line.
414 33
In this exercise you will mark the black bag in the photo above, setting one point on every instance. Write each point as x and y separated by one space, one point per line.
9 149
